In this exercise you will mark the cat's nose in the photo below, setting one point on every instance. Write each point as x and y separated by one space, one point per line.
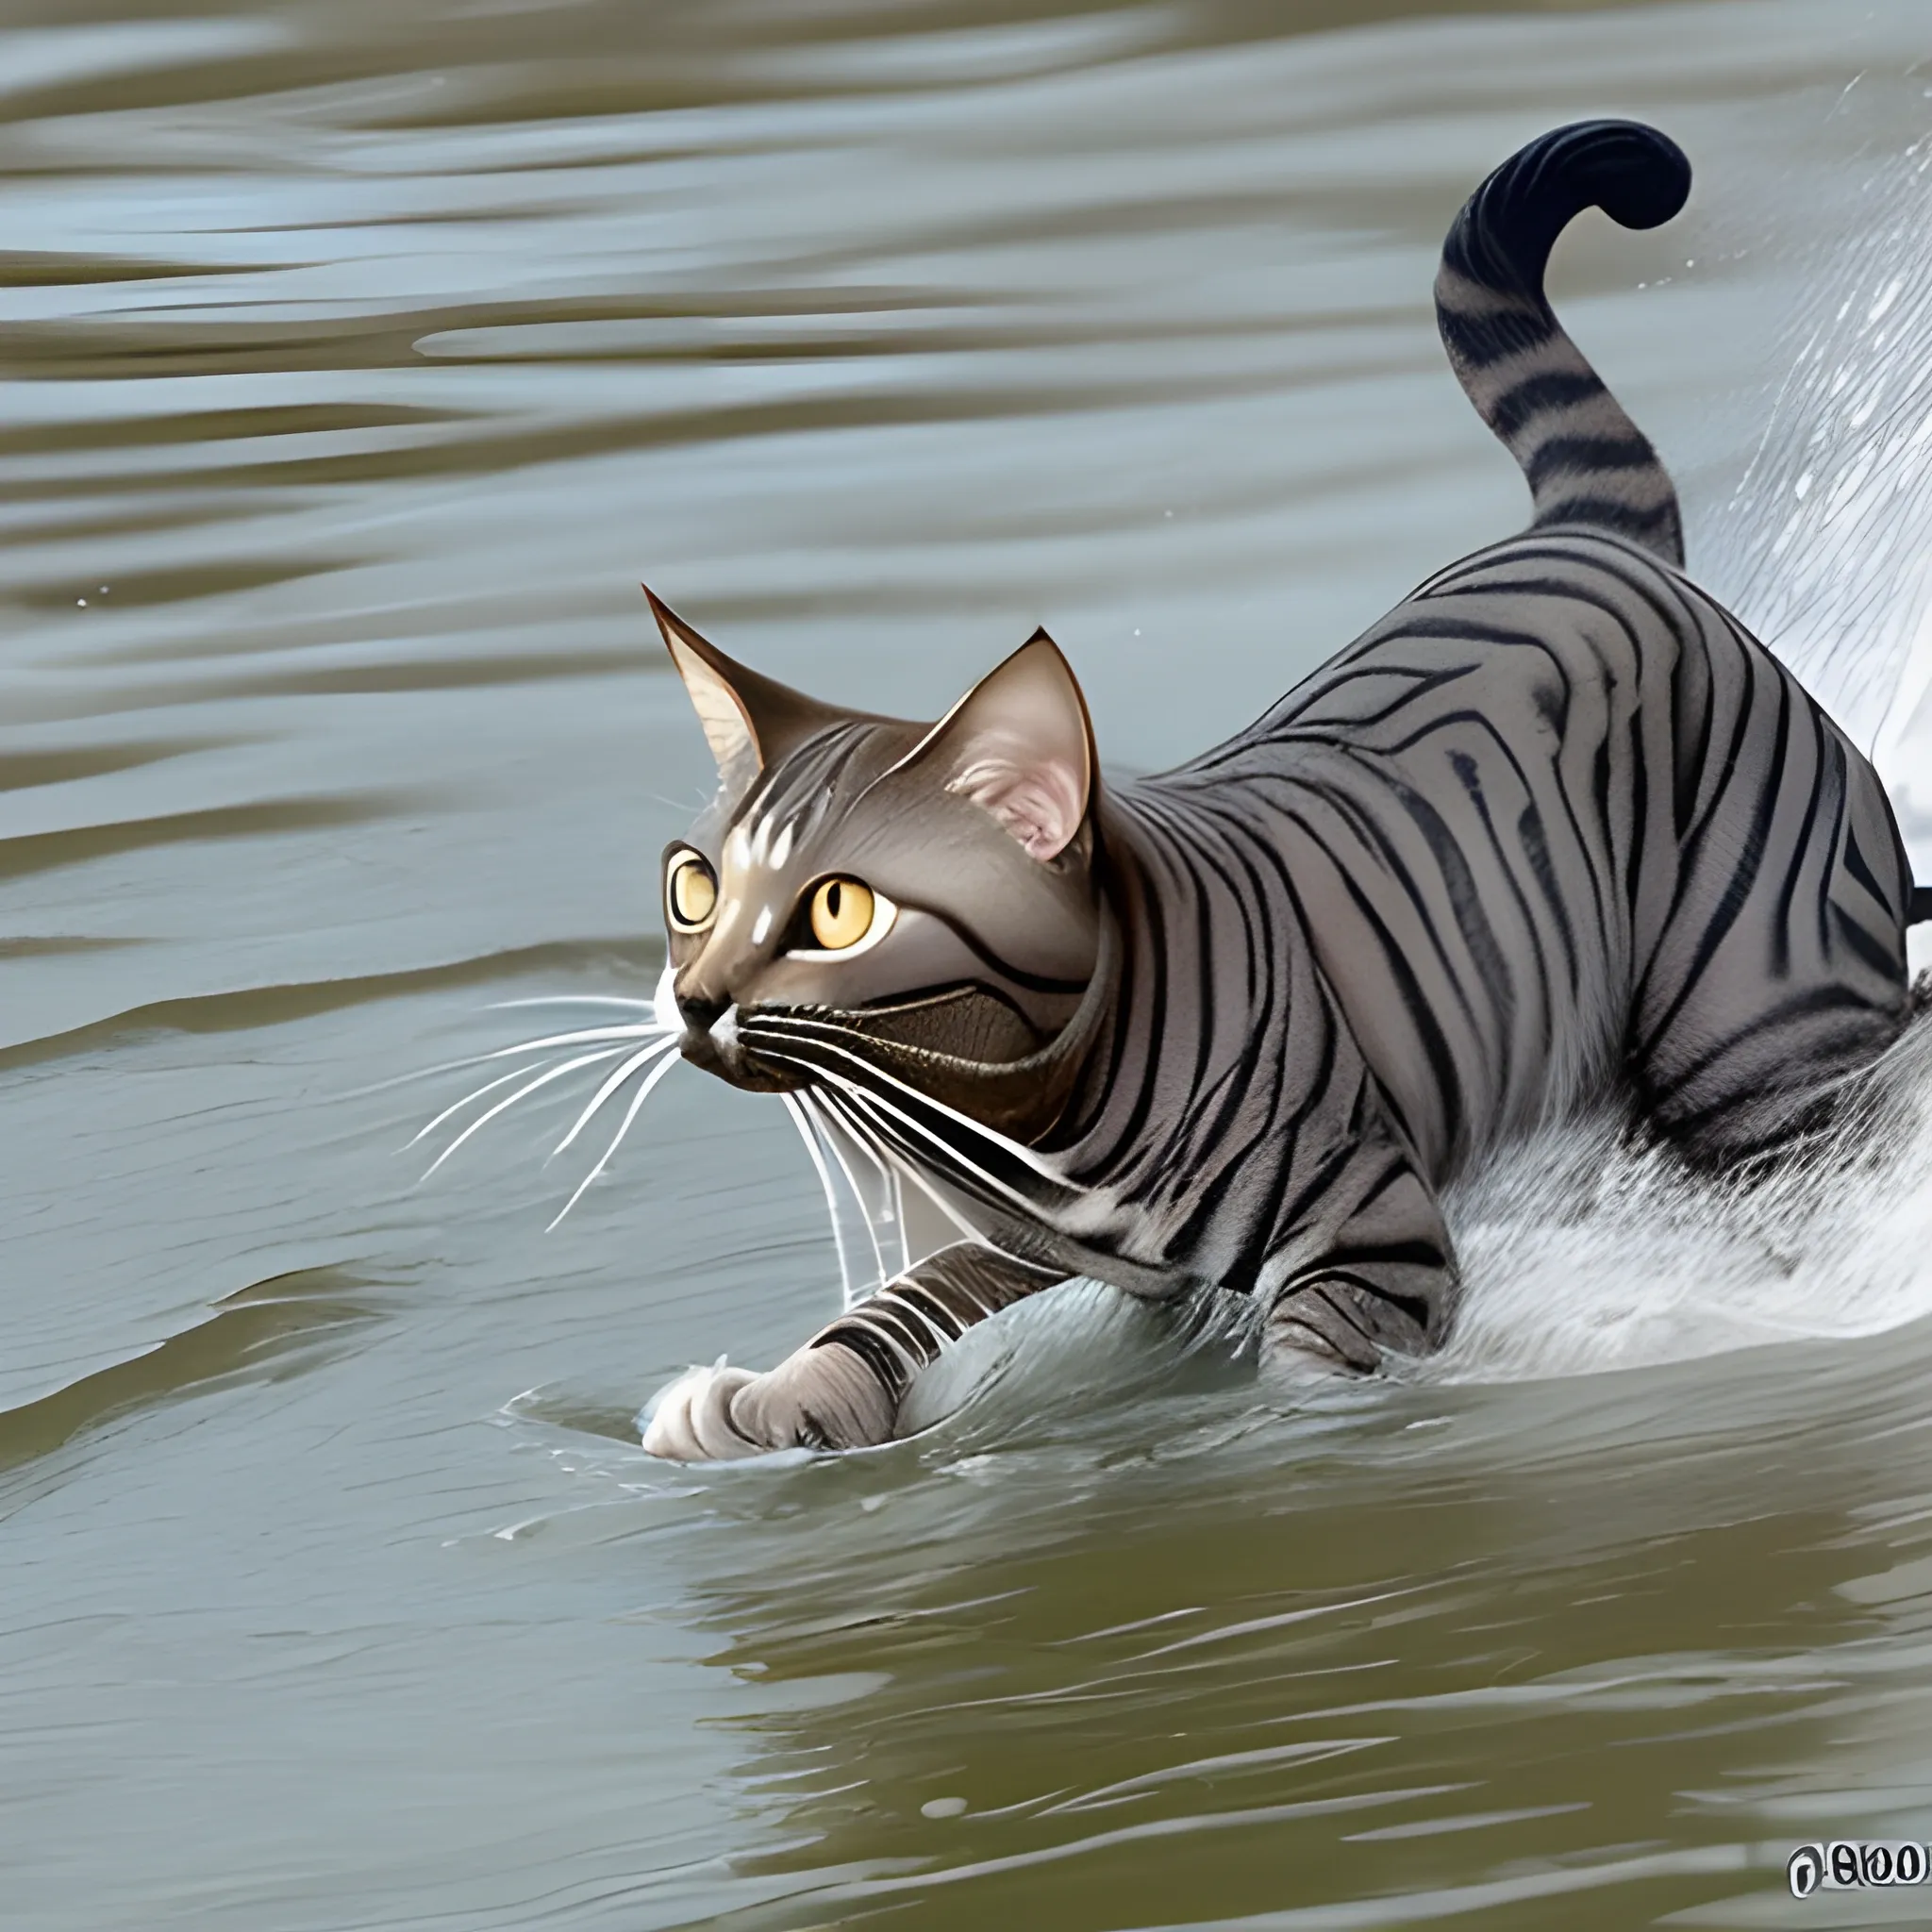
699 1013
710 1037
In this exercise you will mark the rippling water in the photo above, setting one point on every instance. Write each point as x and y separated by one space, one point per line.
361 360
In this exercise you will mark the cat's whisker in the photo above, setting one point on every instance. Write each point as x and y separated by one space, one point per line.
638 1099
882 1270
613 1082
798 1105
862 1130
503 1053
584 1037
832 1112
543 1079
499 1053
428 1073
574 999
874 1120
476 1094
758 1033
814 1136
906 1124
816 1131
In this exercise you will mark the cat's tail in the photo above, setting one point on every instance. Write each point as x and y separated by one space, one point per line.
1586 461
1919 909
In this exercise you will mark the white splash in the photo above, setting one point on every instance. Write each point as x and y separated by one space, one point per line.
1582 1254
1825 548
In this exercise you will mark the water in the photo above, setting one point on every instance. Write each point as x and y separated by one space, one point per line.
362 359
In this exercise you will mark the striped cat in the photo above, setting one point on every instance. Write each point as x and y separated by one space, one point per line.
1556 828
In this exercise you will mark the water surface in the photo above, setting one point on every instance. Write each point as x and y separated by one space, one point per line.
361 361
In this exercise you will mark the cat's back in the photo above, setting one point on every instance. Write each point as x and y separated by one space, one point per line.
1524 637
1462 805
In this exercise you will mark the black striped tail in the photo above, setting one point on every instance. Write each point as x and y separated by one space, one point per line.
1920 909
1586 461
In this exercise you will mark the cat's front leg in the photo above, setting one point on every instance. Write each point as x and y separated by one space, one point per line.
843 1390
1384 1283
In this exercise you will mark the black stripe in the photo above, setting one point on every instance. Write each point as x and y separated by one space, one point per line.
1550 389
1608 512
1737 885
927 1307
881 1320
1470 776
890 1371
1224 1097
1883 960
1448 856
1421 1016
1640 823
1581 456
1234 1162
1813 1003
1860 868
1536 848
1803 850
1475 342
1414 1305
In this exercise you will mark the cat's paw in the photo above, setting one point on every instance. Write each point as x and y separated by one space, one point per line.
690 1419
821 1396
817 1398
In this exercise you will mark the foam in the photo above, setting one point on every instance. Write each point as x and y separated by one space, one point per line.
1584 1253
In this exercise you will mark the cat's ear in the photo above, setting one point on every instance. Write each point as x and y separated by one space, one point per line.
748 720
1020 745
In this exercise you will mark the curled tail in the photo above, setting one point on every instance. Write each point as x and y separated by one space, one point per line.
1586 461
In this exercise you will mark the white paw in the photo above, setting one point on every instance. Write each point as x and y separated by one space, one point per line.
691 1418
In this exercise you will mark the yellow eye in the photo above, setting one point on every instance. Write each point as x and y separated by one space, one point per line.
691 893
841 914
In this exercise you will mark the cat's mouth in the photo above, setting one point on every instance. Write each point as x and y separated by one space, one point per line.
718 1049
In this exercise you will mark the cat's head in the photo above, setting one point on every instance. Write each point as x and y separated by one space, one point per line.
867 896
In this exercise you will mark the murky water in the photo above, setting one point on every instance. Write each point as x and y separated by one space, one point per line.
362 359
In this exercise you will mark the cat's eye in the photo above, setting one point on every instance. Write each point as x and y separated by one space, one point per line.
691 893
842 917
842 913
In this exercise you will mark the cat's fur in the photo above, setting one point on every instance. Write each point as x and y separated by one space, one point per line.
1555 828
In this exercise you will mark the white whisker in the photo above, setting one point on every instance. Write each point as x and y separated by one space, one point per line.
863 1133
891 1115
483 1120
881 1272
808 1131
498 1052
813 1032
612 1084
823 1130
428 1073
574 999
582 1038
638 1099
488 1087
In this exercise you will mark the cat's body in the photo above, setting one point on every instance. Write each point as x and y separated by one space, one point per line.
1554 829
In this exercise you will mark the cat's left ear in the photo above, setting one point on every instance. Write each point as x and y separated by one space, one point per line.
748 720
1020 745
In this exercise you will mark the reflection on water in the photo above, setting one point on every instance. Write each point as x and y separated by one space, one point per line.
1150 1689
361 360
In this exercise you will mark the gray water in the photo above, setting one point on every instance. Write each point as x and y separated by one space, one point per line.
361 361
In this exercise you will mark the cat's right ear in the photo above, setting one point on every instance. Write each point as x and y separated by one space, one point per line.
748 720
1020 745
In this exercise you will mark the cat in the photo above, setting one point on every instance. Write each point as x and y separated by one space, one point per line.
1557 829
